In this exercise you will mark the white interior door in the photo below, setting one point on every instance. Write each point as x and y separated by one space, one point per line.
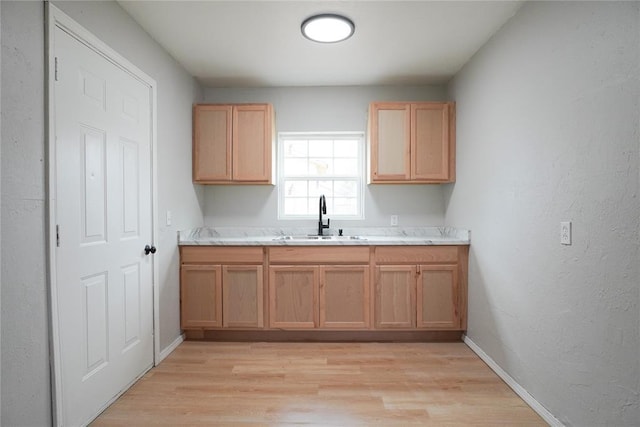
103 209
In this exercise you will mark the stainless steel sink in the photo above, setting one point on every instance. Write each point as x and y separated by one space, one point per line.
318 238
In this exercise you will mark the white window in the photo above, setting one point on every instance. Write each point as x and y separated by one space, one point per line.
313 164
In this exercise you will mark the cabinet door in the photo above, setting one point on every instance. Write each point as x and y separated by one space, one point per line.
200 296
395 297
344 297
293 297
390 141
437 297
252 142
242 295
430 146
212 143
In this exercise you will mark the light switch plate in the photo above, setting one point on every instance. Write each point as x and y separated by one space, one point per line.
169 218
394 220
565 232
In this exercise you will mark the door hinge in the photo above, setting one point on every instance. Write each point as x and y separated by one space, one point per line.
55 68
57 235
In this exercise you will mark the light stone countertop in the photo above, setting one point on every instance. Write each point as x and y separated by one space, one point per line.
355 236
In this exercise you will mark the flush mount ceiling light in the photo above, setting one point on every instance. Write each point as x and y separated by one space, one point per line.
327 28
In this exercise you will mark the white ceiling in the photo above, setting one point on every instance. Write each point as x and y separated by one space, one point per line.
258 43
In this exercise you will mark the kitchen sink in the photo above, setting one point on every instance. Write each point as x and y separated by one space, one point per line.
319 238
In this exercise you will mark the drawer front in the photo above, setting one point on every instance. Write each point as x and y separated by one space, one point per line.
319 255
221 254
416 254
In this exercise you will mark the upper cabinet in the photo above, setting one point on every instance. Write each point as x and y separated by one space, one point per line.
233 144
412 142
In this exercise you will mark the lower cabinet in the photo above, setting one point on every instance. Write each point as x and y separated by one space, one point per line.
293 297
201 296
344 297
437 297
242 296
410 288
395 297
221 288
421 287
326 297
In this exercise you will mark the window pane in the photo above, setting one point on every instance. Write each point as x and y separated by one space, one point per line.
345 189
345 167
346 148
295 167
295 148
295 188
320 167
321 148
316 188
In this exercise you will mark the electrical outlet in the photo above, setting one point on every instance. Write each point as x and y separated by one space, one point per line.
168 218
394 220
565 232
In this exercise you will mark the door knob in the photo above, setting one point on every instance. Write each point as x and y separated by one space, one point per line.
149 249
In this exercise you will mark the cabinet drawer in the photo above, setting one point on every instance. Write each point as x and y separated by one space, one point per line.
319 255
221 255
415 254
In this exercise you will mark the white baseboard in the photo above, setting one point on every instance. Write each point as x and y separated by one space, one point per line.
167 351
520 391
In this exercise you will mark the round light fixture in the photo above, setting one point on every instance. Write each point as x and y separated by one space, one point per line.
327 28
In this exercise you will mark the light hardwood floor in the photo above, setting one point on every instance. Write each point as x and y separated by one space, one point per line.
337 384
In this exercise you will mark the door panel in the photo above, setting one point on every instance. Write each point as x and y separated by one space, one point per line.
344 297
395 297
293 296
243 296
129 178
212 143
437 297
131 283
252 143
430 141
201 295
390 141
93 193
94 310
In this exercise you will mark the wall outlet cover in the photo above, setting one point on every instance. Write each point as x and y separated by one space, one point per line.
565 232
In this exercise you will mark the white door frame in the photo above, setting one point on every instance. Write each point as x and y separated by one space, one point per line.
56 18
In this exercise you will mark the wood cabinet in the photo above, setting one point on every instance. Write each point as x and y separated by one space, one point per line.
421 287
395 297
293 297
344 297
233 144
412 142
324 288
437 297
201 296
242 293
222 288
315 294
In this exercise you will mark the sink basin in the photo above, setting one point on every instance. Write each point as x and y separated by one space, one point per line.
318 238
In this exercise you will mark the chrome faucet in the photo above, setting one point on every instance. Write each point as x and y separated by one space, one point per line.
322 210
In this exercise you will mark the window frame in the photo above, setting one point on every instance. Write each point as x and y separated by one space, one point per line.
360 178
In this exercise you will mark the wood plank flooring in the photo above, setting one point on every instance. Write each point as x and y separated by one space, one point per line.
329 384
